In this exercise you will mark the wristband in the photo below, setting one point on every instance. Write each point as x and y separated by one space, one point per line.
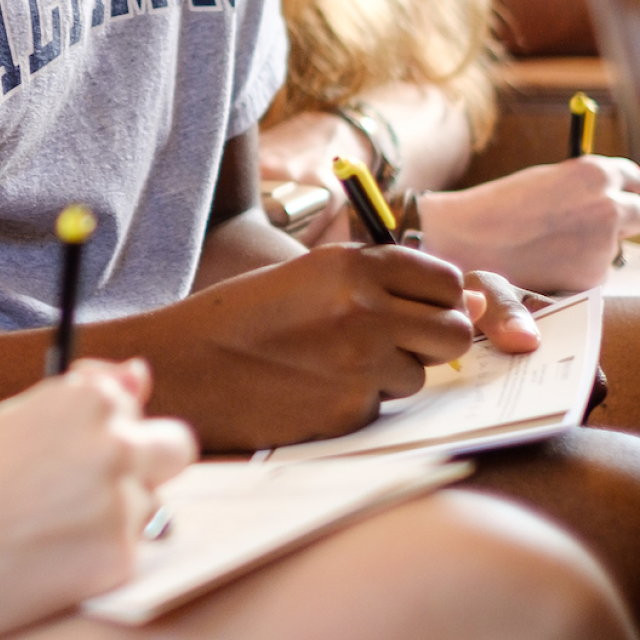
382 138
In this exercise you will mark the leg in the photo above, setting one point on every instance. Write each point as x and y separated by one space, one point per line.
620 360
452 565
589 480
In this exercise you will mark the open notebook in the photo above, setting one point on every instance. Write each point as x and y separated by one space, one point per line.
495 400
230 518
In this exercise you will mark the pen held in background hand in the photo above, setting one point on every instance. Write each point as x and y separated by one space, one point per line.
583 124
73 227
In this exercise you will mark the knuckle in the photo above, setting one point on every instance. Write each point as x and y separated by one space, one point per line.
115 456
448 274
590 171
453 273
486 281
450 337
453 281
462 329
603 214
94 398
414 380
337 257
354 312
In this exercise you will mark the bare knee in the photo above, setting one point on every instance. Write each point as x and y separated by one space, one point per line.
538 581
455 564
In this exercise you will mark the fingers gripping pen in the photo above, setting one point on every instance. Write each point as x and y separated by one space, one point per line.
369 203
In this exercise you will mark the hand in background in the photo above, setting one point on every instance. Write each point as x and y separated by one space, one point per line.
546 228
78 470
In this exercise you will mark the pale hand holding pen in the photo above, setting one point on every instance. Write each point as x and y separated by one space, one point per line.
79 465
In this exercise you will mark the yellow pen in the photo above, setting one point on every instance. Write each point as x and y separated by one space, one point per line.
369 203
74 226
583 123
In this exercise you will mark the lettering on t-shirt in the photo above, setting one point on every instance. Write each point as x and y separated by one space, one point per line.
57 26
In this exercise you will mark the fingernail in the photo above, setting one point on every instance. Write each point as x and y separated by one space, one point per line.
521 324
137 366
477 295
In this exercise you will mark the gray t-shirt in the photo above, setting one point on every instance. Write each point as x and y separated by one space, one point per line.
123 105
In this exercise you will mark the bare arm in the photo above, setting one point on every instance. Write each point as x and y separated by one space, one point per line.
294 348
240 237
433 137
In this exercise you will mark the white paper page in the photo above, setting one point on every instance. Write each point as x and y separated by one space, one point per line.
229 516
491 390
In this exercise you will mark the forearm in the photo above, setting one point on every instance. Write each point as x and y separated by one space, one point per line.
433 139
433 136
240 237
23 358
433 133
245 242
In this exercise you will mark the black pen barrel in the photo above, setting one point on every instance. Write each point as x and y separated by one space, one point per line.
68 295
576 135
370 217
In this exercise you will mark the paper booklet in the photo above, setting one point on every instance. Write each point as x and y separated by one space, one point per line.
232 517
494 400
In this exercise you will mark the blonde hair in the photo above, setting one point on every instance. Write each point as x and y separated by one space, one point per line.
338 48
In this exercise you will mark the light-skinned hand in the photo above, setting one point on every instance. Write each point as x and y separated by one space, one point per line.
547 228
79 465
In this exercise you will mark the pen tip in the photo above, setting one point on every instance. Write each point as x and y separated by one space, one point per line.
339 164
581 103
75 224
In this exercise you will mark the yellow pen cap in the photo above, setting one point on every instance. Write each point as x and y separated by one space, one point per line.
75 224
344 169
